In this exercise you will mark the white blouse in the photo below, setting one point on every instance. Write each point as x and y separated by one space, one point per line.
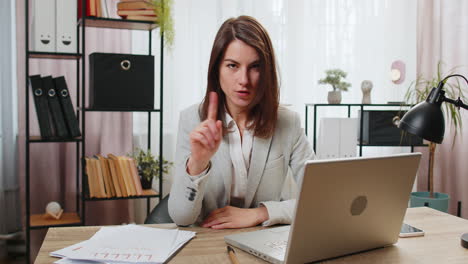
241 151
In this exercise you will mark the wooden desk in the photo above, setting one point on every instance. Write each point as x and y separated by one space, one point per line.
441 243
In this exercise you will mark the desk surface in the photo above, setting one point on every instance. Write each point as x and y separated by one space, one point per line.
441 243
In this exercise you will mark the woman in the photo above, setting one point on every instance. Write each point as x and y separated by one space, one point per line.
239 154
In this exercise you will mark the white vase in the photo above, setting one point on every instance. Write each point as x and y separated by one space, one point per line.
366 87
334 97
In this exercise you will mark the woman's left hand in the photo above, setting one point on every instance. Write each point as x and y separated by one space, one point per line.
234 217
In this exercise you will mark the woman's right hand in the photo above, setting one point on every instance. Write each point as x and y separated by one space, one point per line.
205 139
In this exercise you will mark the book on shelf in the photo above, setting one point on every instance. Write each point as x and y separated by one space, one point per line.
104 8
143 18
148 1
125 172
135 5
112 176
98 8
80 9
135 176
94 8
89 176
100 179
133 181
108 184
136 12
118 171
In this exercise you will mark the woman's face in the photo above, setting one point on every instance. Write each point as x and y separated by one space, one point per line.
239 73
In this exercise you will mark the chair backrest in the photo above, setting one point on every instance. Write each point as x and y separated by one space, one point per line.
160 213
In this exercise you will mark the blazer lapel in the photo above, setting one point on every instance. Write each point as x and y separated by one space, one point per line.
260 151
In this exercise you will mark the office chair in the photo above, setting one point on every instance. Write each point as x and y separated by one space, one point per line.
160 213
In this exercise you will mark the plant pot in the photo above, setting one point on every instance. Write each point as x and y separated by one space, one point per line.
334 97
439 202
146 184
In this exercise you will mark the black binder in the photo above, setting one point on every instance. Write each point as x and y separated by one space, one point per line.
67 106
42 105
56 112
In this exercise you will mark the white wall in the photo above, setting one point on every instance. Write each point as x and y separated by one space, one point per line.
309 36
9 192
361 37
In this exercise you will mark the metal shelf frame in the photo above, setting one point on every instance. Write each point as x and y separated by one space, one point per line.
361 107
132 25
78 218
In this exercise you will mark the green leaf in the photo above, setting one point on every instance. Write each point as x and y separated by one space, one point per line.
164 19
333 77
148 164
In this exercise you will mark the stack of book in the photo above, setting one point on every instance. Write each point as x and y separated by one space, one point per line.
114 176
94 8
136 10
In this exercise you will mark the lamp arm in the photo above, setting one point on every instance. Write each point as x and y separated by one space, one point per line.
458 103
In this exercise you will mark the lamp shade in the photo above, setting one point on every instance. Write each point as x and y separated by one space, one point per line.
425 120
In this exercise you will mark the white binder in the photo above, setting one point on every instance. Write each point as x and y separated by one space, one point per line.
66 12
337 138
328 144
43 26
348 137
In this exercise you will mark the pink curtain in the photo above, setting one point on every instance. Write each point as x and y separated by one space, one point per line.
53 165
442 28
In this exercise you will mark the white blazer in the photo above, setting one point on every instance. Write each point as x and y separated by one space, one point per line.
276 166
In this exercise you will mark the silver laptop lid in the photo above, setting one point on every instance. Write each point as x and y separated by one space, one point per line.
350 205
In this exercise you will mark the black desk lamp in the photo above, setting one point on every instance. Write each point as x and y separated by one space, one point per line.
426 120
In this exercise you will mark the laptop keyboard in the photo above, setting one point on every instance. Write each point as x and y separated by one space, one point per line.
279 245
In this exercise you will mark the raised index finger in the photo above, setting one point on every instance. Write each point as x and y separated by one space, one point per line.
213 106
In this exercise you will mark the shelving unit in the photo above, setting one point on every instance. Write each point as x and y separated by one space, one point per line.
362 108
132 25
67 219
39 221
57 55
117 23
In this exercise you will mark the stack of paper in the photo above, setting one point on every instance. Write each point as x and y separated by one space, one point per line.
126 244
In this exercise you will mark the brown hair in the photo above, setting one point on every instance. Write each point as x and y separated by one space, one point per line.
264 108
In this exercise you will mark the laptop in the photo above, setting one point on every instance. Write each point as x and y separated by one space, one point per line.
345 206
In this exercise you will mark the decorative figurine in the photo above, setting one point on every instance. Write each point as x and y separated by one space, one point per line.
366 87
54 210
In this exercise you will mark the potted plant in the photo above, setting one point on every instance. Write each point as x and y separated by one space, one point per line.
334 79
148 166
417 92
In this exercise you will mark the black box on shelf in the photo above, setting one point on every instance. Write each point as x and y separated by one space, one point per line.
121 81
380 129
